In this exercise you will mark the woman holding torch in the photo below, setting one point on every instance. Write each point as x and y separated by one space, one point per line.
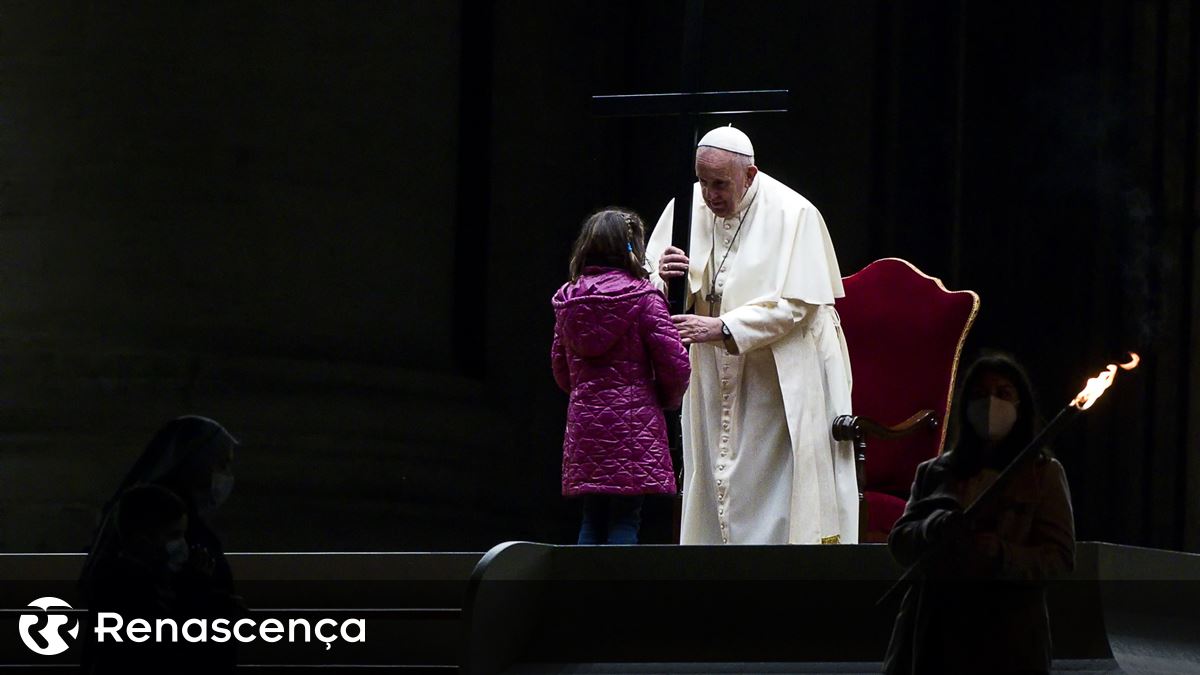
981 607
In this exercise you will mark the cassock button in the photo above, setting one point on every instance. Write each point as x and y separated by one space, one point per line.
727 240
727 226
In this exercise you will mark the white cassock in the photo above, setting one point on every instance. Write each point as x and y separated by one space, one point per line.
760 462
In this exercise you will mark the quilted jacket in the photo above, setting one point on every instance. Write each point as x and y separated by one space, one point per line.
618 355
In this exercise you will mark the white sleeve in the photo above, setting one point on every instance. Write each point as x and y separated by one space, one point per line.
761 323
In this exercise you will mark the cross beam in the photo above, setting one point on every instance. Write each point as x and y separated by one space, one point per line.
696 103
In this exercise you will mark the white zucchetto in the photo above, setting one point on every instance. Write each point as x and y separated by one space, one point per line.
728 138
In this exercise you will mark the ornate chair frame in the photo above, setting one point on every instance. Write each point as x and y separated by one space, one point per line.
857 428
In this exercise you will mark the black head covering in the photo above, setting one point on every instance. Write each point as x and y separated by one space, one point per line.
181 446
966 456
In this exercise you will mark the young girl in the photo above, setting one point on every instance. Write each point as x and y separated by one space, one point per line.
619 356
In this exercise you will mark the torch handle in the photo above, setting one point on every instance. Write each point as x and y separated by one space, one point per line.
1060 421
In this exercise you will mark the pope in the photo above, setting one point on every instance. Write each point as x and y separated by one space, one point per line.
770 369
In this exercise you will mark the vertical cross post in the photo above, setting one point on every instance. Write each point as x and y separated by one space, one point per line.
688 104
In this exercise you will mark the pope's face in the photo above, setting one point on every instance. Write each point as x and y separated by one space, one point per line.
722 182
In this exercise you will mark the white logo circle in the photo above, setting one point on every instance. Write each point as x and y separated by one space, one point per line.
50 633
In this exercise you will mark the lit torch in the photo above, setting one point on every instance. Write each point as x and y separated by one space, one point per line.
1092 391
1097 385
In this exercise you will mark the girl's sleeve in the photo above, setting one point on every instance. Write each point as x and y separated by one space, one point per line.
668 356
558 362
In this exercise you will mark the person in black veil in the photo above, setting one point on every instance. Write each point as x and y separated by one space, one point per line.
139 581
981 607
192 458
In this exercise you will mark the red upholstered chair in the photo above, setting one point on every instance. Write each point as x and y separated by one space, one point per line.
905 333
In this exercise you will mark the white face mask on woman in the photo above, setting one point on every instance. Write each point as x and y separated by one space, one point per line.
991 417
177 554
222 485
219 490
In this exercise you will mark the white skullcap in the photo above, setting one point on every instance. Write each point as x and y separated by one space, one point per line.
728 138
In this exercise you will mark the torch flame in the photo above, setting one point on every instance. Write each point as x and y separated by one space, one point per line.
1096 386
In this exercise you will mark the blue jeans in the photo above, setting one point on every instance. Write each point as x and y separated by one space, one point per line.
610 519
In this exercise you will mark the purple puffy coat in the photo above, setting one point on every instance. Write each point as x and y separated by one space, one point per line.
618 355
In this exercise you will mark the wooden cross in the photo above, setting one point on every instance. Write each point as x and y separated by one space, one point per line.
688 104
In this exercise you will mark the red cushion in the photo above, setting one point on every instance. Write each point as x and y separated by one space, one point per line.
883 510
904 331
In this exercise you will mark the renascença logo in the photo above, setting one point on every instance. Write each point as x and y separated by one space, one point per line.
109 627
50 633
109 624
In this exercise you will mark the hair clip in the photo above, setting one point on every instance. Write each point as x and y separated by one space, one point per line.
629 246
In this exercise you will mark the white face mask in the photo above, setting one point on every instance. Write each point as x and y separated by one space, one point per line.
177 554
991 417
218 492
222 485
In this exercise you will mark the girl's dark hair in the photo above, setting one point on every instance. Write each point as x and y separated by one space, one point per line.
966 456
611 237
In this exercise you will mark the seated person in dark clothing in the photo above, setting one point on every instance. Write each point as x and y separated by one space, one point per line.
190 459
190 456
981 606
140 579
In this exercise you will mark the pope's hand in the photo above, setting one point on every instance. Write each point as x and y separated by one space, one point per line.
694 328
672 264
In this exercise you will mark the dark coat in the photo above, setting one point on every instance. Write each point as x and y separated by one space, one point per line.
111 582
974 613
137 591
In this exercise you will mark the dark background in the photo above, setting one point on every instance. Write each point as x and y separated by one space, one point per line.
336 227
